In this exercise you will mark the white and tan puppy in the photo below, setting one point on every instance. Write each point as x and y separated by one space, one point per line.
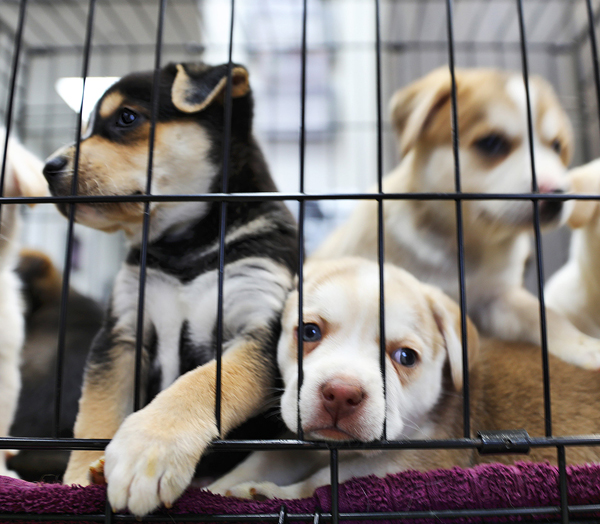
574 290
342 399
23 177
420 235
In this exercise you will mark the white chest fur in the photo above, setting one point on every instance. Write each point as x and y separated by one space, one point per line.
253 293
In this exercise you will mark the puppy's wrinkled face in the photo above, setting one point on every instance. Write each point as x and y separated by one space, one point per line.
494 141
342 397
114 150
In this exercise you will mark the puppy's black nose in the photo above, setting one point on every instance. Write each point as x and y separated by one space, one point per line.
550 209
54 166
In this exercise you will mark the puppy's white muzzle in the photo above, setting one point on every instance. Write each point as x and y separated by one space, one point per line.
345 404
339 410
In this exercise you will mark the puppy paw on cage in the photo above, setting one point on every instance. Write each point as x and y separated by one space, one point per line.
151 460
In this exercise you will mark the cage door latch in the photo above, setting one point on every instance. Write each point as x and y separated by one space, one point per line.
505 441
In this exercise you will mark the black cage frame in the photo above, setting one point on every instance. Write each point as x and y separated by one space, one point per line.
562 513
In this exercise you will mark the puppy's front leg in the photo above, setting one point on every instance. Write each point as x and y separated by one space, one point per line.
516 316
268 489
278 467
106 399
351 465
152 457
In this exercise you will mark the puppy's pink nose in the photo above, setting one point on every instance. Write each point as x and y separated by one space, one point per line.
546 186
340 399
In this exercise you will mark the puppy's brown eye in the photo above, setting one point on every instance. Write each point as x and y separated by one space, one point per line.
405 357
126 118
311 333
556 146
493 145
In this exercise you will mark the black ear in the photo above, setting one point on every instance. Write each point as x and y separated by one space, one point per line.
197 85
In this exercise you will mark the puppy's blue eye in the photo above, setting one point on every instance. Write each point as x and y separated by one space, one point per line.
311 333
493 145
126 118
557 146
405 357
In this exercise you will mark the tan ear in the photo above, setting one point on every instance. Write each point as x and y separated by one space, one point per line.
23 172
413 107
584 180
196 86
446 313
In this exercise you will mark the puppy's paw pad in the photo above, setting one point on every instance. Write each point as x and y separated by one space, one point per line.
256 491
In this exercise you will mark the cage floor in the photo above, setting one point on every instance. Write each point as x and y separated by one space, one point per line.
523 492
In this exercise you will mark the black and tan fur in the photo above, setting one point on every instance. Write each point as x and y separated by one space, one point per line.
152 456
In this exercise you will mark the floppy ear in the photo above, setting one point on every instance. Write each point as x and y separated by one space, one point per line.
584 180
196 86
413 107
23 171
446 313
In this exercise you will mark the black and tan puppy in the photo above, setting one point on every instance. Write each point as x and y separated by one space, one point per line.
152 456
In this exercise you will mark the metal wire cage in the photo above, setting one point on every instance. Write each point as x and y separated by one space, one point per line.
317 47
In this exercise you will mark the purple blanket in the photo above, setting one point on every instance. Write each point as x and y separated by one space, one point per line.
524 485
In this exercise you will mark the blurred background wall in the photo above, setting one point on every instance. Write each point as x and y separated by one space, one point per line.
341 117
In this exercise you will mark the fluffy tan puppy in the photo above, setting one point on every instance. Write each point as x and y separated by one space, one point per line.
420 235
342 399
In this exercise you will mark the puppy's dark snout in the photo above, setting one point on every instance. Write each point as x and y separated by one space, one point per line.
55 166
340 399
550 209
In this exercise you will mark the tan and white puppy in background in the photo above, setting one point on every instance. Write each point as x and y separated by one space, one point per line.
420 235
574 290
342 399
23 177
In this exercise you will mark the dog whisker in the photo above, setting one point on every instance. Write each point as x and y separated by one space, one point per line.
413 425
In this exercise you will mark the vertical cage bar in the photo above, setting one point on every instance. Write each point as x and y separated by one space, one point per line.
562 483
223 223
459 224
301 219
64 299
380 223
594 48
108 512
536 226
335 485
11 93
282 515
146 224
581 106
